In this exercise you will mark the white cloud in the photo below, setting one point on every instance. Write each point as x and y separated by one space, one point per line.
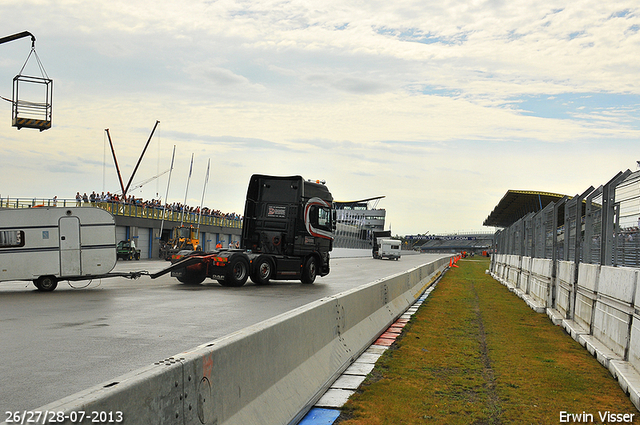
432 95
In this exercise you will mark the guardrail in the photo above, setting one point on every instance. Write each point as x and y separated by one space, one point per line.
271 373
599 306
125 210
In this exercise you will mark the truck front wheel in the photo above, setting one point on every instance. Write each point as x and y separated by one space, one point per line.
309 271
237 273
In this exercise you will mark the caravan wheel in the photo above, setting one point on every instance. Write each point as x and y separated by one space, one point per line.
46 283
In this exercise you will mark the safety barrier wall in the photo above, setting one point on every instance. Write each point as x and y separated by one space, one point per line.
634 343
270 373
599 306
614 308
513 269
525 275
587 288
540 286
564 287
497 265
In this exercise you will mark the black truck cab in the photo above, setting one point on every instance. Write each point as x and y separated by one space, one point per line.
287 233
289 217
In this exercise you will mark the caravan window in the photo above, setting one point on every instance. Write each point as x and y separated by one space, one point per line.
11 238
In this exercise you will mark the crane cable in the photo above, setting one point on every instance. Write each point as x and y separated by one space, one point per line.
40 66
42 70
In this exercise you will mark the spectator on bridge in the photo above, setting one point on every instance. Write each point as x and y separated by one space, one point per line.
175 206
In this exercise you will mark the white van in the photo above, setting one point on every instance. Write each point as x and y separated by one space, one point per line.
49 244
389 248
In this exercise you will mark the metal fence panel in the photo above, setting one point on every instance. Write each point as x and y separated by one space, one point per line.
600 226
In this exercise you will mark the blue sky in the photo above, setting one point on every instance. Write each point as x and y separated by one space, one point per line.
439 106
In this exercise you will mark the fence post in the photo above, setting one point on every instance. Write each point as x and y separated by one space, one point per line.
551 295
609 217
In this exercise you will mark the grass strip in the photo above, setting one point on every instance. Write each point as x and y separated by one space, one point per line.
474 353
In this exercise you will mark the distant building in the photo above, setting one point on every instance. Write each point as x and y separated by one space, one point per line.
356 221
476 242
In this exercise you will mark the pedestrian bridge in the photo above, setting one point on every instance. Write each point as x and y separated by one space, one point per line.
146 225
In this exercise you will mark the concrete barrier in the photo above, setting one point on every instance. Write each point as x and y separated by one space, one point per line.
600 309
564 288
588 275
627 372
505 269
613 312
513 271
499 268
540 284
585 298
525 275
634 345
271 373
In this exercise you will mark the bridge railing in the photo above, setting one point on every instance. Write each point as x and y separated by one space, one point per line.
125 210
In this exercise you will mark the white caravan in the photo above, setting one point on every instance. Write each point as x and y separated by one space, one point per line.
49 244
389 248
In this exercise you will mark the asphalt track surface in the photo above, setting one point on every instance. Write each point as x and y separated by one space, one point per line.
55 344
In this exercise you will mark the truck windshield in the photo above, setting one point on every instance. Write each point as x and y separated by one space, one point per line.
324 218
183 232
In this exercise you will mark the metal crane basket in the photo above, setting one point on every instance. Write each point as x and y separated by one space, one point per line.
29 110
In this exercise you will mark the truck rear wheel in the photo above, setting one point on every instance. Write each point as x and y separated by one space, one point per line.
262 271
309 271
237 273
46 283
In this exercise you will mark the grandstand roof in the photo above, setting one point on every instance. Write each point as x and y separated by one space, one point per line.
516 204
342 204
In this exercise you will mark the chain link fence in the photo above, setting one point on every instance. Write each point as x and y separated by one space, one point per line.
599 226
